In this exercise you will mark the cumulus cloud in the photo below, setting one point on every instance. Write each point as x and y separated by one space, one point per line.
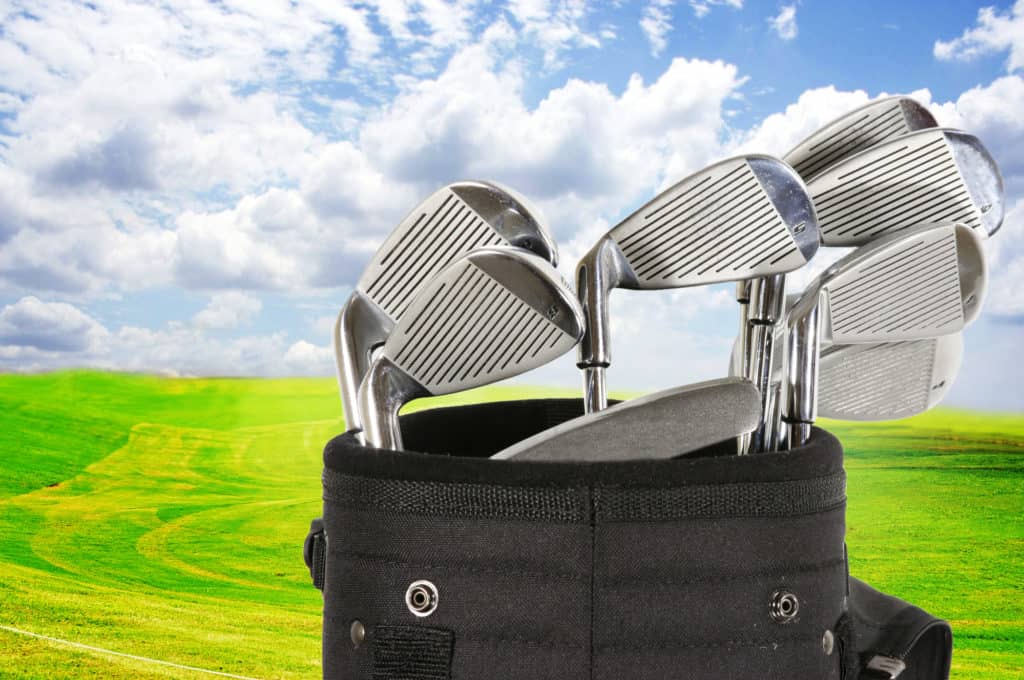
228 310
656 23
581 141
48 327
994 32
305 358
784 23
122 162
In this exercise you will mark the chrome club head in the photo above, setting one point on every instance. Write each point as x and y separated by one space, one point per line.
761 301
741 218
888 381
936 175
665 424
925 282
451 222
856 130
493 313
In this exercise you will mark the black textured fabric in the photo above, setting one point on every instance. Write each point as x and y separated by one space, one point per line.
314 551
657 570
888 626
412 653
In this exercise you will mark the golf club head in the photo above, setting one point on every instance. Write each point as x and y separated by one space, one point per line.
452 221
665 424
856 130
925 282
921 283
889 381
930 176
494 313
744 217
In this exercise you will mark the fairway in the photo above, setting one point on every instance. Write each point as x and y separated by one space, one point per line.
163 518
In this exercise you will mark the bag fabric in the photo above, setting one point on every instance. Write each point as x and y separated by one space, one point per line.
710 566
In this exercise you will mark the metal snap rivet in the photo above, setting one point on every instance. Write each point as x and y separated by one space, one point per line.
784 606
421 598
358 633
828 643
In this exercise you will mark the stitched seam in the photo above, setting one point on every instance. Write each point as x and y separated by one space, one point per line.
592 506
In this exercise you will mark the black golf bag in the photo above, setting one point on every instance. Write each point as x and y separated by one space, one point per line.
439 564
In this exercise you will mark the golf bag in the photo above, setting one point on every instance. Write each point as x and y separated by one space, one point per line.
439 564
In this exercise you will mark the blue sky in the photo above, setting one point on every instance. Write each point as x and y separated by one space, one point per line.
192 187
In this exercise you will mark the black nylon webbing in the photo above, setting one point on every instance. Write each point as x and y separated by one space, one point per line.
485 501
412 653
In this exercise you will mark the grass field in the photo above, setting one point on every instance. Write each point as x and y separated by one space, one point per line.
163 518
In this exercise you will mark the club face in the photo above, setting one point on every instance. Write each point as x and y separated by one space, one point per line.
451 222
859 129
930 176
664 424
495 313
888 381
742 218
925 282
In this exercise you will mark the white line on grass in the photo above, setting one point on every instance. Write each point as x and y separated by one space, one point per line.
99 650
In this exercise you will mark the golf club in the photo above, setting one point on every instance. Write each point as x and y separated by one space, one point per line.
744 217
493 313
925 282
664 424
888 381
452 221
856 130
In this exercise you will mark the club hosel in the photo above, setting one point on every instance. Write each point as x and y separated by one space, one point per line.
767 298
360 328
601 270
383 392
743 291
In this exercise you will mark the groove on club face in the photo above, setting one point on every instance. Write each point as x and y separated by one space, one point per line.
929 176
888 381
720 224
488 317
864 127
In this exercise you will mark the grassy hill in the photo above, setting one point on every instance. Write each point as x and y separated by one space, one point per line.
163 518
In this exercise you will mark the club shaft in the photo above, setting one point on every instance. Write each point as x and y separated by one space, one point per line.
765 310
803 346
595 389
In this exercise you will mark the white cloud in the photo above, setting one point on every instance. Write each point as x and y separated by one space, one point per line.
994 32
703 7
554 26
305 358
226 310
48 327
580 142
656 23
784 23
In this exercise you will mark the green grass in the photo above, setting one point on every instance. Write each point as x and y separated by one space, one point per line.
164 517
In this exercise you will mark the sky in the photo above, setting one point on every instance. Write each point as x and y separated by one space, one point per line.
193 188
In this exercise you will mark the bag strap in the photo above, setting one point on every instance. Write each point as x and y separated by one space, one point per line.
894 639
314 552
